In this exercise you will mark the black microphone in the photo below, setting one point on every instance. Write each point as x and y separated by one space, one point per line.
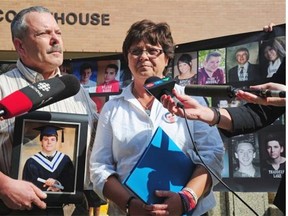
265 92
38 95
211 90
230 91
158 87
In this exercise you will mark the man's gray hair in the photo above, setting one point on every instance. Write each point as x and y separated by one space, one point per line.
19 26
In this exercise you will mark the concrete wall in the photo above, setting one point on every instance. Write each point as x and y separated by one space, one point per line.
229 205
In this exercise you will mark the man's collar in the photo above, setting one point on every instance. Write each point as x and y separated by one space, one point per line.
31 75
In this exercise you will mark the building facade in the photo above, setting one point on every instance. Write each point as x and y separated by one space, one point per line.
98 27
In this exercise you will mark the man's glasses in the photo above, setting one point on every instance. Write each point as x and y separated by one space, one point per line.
150 52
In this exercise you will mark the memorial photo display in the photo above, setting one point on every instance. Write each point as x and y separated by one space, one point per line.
240 61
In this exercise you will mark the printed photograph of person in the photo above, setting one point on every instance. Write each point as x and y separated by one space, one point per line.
272 53
274 160
246 159
185 69
242 63
110 83
86 81
212 67
125 76
50 169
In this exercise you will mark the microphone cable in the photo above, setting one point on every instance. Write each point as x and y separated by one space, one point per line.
211 171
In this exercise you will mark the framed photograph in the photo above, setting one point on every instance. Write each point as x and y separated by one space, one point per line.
185 68
273 151
108 77
245 156
87 73
49 151
243 63
211 66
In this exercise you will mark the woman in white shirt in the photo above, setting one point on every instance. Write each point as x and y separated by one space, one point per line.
128 121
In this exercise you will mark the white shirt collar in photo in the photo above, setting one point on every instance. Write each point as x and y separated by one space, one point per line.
244 76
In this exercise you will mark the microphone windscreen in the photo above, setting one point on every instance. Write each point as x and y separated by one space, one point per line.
210 90
152 79
15 104
158 87
70 85
38 95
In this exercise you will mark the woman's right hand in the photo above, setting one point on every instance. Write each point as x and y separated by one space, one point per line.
193 110
137 207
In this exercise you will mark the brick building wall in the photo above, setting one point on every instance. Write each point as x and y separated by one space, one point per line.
190 20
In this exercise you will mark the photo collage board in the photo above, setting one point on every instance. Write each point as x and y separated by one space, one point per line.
215 62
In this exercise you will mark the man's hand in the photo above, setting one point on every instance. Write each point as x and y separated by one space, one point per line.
18 194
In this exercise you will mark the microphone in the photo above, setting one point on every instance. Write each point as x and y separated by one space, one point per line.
38 95
230 91
266 92
211 90
157 87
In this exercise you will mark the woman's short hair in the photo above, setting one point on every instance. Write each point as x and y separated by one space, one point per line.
149 32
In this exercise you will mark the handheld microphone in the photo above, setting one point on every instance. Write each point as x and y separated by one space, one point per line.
230 91
38 95
158 87
211 90
265 92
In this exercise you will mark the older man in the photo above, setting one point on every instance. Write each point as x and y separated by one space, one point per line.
38 41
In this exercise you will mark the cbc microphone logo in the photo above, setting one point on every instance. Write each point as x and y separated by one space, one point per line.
45 87
41 87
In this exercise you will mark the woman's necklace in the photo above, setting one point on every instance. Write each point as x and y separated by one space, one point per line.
146 107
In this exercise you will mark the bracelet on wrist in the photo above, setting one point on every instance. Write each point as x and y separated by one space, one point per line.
217 114
127 206
193 194
188 202
184 201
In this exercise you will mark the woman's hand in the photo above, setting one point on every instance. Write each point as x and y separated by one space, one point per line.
252 98
137 207
193 109
173 202
172 205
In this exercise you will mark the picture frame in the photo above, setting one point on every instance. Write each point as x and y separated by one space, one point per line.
193 59
26 145
86 70
102 76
